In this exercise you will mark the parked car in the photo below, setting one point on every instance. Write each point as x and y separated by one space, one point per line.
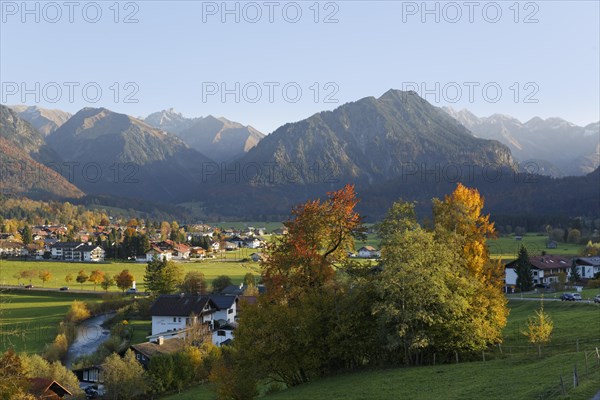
567 297
576 297
597 298
131 291
64 288
28 286
90 393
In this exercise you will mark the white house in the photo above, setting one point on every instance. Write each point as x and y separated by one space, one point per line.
74 251
181 252
155 251
544 270
253 243
587 267
222 335
368 252
173 315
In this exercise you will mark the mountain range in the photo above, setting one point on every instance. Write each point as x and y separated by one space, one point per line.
552 146
395 145
44 120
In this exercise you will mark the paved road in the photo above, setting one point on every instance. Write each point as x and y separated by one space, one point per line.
41 289
596 397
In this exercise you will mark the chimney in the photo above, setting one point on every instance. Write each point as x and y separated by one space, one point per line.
161 340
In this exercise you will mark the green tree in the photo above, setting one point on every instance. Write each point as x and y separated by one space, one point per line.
162 276
523 270
220 283
161 370
82 277
574 236
539 328
194 283
26 235
107 282
249 279
124 378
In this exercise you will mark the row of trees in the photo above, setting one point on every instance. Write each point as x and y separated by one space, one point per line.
166 277
435 291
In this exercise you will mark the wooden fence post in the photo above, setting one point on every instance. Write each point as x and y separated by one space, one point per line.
575 377
456 354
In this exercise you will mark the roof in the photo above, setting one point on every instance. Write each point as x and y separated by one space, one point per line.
44 386
546 262
588 260
232 290
181 306
223 302
169 346
368 248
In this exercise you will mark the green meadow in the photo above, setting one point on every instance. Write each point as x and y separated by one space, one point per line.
228 264
516 372
29 319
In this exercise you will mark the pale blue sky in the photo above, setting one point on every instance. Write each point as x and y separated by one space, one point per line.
170 52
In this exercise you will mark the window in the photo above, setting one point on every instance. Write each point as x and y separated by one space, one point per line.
174 319
179 319
137 356
220 333
230 311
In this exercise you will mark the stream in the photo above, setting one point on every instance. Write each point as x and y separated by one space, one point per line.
89 336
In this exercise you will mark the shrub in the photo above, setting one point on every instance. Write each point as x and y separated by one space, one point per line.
78 312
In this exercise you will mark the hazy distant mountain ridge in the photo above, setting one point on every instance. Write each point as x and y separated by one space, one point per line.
571 149
44 120
218 138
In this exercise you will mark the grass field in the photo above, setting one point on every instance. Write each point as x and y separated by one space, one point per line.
507 247
230 265
29 320
517 373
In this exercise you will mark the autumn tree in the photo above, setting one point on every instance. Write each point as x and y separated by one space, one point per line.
162 276
460 224
320 235
28 274
124 280
69 278
44 276
523 270
124 378
539 328
194 283
96 277
82 277
13 378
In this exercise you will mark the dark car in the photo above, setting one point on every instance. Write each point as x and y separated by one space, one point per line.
567 297
64 288
131 291
28 286
90 393
597 298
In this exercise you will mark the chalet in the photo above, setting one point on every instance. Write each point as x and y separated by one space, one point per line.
223 335
238 241
197 252
76 251
156 252
47 389
181 251
91 374
587 267
174 315
368 252
230 246
253 242
11 248
544 269
145 351
257 257
551 244
280 231
216 246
